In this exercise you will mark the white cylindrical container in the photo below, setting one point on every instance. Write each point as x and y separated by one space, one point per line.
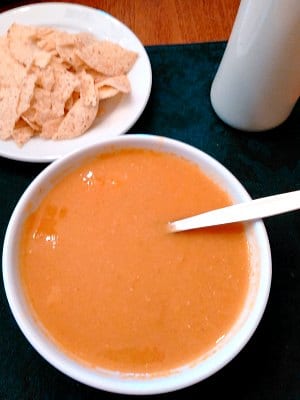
258 81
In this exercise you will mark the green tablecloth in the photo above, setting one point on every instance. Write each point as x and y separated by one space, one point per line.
266 163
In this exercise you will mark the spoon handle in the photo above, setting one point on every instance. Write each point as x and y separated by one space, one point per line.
254 209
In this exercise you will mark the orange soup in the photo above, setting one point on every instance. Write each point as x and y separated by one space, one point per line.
107 281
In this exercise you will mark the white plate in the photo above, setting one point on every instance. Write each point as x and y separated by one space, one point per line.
117 120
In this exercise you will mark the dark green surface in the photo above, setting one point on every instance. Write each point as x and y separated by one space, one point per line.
266 163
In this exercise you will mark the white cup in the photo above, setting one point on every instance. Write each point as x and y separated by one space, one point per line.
258 81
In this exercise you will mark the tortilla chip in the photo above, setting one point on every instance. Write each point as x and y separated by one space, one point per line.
83 39
21 45
42 58
21 135
103 56
46 45
87 89
45 38
26 93
9 98
41 99
65 84
11 71
50 128
105 92
45 78
12 75
77 121
97 76
42 31
121 83
42 104
67 54
29 117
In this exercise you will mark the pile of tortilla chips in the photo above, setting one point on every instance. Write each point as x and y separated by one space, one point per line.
52 82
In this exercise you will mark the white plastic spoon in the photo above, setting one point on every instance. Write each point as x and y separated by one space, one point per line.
254 209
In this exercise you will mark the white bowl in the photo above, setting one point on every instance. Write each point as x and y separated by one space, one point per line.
228 348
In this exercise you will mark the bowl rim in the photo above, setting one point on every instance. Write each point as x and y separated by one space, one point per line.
116 383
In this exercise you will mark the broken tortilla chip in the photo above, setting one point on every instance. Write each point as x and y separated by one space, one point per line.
87 89
22 134
65 84
12 72
50 128
105 57
26 93
21 44
120 83
78 120
29 117
9 98
42 58
105 92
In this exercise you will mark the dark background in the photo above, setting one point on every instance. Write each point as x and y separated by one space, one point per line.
265 163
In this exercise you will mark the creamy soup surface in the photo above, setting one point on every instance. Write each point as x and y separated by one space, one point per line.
107 281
